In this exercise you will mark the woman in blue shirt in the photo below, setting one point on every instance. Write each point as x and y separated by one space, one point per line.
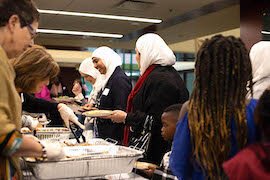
218 120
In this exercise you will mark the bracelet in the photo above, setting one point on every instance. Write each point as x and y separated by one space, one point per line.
44 152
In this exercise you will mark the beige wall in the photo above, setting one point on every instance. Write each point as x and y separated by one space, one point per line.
191 46
69 58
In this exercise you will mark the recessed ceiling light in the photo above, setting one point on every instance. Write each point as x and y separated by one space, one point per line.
79 33
104 16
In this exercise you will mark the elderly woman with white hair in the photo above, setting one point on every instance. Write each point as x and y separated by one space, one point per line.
159 86
114 93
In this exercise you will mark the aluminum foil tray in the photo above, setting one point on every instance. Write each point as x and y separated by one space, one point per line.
117 160
53 133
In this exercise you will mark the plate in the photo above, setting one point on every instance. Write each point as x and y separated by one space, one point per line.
98 113
144 165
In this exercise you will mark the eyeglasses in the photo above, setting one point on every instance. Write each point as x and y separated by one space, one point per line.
31 30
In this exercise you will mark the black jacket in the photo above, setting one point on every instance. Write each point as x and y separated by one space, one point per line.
162 88
35 105
119 87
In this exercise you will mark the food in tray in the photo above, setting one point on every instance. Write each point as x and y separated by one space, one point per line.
83 144
64 99
98 113
76 151
68 143
49 129
144 165
90 142
53 129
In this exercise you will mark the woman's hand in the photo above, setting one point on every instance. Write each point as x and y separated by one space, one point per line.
118 116
54 151
68 115
77 89
89 107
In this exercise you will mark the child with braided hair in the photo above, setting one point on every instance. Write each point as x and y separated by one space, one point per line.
218 119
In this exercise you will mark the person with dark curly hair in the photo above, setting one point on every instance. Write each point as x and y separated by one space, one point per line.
218 119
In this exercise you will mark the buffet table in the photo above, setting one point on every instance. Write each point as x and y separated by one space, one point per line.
28 176
96 159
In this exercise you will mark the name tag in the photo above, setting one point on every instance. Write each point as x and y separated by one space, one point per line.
106 92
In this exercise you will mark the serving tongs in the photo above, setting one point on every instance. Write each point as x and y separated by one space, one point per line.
73 129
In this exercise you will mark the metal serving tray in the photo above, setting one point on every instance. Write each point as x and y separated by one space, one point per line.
119 160
53 133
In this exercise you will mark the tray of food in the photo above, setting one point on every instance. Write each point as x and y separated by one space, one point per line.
87 161
90 142
98 113
57 133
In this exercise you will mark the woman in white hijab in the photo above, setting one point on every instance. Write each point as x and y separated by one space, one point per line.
260 60
92 75
158 87
114 93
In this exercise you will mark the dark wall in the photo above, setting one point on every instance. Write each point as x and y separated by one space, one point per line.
67 76
251 20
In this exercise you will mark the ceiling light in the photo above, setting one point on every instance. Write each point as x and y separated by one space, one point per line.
104 16
79 33
265 32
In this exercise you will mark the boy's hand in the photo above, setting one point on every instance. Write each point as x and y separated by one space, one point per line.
150 171
147 168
